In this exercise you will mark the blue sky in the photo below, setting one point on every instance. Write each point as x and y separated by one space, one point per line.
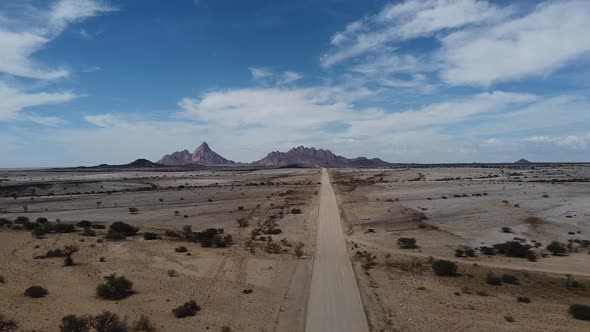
91 81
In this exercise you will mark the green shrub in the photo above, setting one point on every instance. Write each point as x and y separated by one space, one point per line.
510 279
88 232
4 222
513 249
143 324
123 228
188 309
580 311
21 220
150 236
407 242
115 236
84 224
443 268
38 232
7 325
64 228
109 322
556 248
73 323
493 280
114 288
459 252
42 220
181 249
36 292
469 252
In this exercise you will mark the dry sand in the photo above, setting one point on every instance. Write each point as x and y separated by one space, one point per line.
213 277
446 208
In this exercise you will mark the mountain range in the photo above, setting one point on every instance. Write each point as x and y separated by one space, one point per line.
300 155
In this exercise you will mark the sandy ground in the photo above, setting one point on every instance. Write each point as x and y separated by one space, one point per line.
334 300
214 277
448 208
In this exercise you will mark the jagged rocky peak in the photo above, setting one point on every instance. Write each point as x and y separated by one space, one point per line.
203 155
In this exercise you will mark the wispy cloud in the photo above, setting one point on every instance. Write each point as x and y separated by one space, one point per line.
27 30
31 28
267 76
481 43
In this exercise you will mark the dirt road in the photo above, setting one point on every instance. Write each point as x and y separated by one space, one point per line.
334 302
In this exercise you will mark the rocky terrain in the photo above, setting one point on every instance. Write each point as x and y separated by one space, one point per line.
301 155
203 155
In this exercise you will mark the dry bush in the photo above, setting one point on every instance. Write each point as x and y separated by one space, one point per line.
407 243
299 252
243 222
36 292
109 322
273 248
143 324
7 325
444 268
190 308
73 323
114 288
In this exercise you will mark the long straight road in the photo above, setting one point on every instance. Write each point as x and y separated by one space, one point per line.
334 302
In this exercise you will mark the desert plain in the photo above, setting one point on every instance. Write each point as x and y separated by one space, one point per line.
253 283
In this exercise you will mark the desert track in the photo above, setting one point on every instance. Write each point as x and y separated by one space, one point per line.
334 302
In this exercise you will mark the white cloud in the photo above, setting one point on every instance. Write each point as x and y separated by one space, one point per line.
480 43
536 44
267 76
27 30
260 72
13 101
568 142
30 30
407 20
289 77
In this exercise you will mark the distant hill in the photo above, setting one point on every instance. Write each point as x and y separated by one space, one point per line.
203 155
312 157
139 163
523 162
300 156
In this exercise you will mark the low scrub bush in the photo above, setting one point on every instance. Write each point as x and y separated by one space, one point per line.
522 299
64 228
150 236
556 248
73 323
181 249
115 236
514 249
84 224
493 280
7 325
114 288
21 220
296 211
143 324
109 322
242 222
444 268
123 228
36 292
299 252
580 311
188 309
510 279
170 233
407 242
88 232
